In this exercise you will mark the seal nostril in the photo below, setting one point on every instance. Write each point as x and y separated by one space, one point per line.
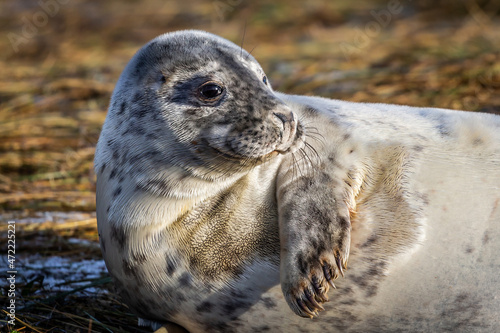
281 117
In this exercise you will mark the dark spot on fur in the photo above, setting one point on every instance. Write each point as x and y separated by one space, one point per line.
310 111
116 155
486 238
219 327
477 142
155 185
138 100
151 136
129 269
139 257
302 264
347 290
117 192
180 298
350 301
269 303
205 306
371 240
443 130
113 173
108 209
236 293
469 249
185 280
369 280
376 269
324 178
465 313
418 148
135 129
317 214
314 243
293 237
139 68
103 244
258 329
347 136
344 222
192 111
424 197
103 167
118 235
234 305
371 290
344 320
134 158
123 106
171 265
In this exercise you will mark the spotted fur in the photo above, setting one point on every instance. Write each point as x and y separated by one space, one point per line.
240 211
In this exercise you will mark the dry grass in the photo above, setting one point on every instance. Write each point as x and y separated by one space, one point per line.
78 305
55 89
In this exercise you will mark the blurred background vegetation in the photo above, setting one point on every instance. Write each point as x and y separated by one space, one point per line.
60 60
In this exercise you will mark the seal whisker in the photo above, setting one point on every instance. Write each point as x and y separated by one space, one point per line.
315 153
296 165
293 167
250 53
313 133
310 165
243 39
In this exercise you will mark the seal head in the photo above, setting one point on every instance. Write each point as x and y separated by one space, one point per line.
204 107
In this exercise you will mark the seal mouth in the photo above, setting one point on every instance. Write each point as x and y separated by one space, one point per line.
242 159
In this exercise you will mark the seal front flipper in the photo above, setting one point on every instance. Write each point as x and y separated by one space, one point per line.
314 238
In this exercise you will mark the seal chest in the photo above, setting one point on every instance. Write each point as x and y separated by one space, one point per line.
224 206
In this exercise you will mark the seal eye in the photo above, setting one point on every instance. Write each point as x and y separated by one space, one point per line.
264 79
211 91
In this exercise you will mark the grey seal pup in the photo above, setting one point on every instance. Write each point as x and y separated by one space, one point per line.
224 206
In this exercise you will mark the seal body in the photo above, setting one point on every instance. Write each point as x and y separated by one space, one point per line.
224 206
